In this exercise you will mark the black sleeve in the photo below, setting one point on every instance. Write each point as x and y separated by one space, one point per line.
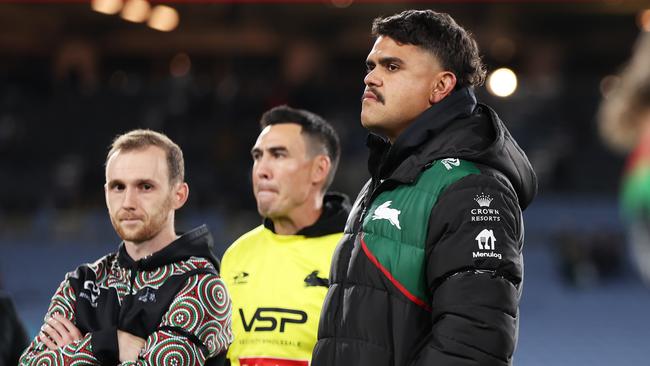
218 360
474 274
13 332
105 346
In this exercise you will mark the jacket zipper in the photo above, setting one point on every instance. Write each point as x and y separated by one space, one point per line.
134 273
368 199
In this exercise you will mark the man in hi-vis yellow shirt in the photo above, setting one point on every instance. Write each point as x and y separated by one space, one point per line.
277 274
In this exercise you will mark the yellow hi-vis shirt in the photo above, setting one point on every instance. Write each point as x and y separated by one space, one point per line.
277 284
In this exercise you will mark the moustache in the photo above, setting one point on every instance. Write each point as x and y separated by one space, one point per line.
380 98
127 216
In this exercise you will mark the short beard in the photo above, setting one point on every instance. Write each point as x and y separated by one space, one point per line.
152 226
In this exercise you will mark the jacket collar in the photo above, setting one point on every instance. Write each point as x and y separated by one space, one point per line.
195 243
403 154
457 127
336 207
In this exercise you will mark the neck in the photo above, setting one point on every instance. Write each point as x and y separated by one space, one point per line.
299 218
144 249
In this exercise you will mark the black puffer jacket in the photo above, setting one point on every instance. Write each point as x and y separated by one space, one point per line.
429 271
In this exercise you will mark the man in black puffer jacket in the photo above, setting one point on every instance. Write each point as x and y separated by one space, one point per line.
429 270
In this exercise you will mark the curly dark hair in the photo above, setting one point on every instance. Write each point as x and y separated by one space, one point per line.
438 33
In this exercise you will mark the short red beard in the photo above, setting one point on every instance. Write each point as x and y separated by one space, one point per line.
151 225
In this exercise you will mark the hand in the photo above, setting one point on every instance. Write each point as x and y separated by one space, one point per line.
58 331
129 346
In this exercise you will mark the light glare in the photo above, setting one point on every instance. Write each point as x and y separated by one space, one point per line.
136 11
502 82
163 18
107 6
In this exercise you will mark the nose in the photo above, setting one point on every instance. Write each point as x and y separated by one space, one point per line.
130 199
372 79
262 169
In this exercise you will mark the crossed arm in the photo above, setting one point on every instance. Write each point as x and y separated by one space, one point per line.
61 343
58 332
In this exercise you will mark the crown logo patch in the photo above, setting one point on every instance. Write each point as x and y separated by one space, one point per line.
483 200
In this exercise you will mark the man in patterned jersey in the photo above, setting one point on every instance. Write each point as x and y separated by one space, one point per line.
277 273
159 299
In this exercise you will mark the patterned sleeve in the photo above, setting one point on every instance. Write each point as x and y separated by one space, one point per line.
196 327
77 352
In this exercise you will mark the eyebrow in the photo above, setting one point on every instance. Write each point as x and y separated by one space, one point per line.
146 181
114 182
272 149
385 61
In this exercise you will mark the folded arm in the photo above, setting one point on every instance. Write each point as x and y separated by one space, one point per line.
60 342
196 327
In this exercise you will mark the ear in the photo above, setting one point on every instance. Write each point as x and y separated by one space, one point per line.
181 193
320 169
444 83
